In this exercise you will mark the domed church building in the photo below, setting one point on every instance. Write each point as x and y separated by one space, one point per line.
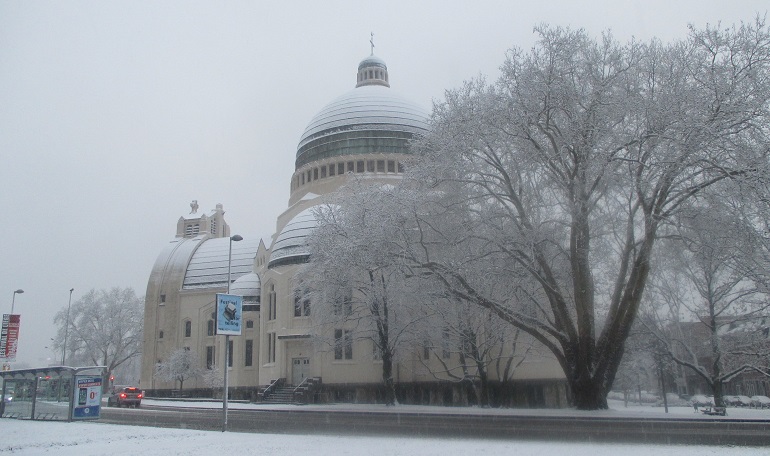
364 132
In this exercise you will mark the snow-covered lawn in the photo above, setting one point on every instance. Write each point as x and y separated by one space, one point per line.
23 437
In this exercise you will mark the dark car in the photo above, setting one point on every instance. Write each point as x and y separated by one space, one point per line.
127 396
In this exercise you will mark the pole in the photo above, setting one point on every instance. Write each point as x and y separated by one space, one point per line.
13 300
236 238
224 393
66 329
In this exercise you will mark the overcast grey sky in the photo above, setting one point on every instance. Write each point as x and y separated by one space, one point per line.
114 115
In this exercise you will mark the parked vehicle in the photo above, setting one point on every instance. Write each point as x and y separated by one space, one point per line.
699 400
760 401
127 396
738 401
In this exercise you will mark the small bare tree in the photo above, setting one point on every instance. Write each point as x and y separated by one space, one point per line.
181 365
355 282
703 307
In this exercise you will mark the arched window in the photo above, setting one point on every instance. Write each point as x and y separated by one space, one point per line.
187 328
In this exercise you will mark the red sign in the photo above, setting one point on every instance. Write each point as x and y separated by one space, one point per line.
9 336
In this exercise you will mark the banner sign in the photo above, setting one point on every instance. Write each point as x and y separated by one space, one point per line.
229 313
87 397
9 336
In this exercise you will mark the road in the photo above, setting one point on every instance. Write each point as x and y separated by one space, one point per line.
300 420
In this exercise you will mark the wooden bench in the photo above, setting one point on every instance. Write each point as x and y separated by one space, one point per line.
721 411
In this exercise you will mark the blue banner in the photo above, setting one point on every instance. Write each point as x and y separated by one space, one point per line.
229 314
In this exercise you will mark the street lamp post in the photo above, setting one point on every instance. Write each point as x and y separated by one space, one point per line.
66 329
236 238
13 301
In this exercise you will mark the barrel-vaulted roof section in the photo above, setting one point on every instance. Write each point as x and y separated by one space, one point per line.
290 247
366 108
208 266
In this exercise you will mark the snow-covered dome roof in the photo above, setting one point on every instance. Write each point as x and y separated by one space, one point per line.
367 106
247 285
290 247
371 118
372 60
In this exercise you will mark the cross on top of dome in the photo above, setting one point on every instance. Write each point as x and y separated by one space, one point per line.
372 70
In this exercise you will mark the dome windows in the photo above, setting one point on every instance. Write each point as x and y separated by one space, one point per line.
334 169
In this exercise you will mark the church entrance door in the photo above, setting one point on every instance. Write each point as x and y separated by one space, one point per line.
300 369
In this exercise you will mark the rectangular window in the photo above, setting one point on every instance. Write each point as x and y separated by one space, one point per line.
343 344
315 173
209 357
376 352
391 166
192 230
370 166
341 168
425 349
230 354
332 168
360 166
323 171
380 166
301 304
249 324
309 176
271 347
351 167
303 178
187 328
162 298
400 167
248 352
210 328
271 305
445 353
343 303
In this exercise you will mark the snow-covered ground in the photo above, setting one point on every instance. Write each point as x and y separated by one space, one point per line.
25 437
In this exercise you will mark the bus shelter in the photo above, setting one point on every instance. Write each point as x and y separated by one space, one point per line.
52 393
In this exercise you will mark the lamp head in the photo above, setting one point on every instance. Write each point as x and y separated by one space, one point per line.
236 237
19 291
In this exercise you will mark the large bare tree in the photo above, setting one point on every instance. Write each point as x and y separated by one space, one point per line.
105 328
570 168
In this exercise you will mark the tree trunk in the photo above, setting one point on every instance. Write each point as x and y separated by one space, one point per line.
387 378
719 398
484 382
587 393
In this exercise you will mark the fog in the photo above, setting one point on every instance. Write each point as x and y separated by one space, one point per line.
115 115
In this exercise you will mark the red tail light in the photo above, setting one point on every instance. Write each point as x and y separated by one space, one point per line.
122 395
139 396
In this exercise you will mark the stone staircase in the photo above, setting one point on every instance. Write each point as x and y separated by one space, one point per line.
278 392
280 395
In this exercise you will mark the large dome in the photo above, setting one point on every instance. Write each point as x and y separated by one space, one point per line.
371 118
